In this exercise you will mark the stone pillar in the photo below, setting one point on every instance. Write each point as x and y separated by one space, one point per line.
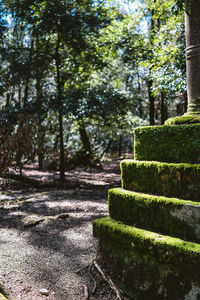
192 32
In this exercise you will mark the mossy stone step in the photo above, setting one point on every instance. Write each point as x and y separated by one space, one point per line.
170 180
171 216
148 265
173 144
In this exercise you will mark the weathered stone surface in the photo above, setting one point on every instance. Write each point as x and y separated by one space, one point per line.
170 180
192 30
172 144
170 216
148 265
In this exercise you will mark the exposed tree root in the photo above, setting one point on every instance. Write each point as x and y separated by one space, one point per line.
92 278
105 278
86 292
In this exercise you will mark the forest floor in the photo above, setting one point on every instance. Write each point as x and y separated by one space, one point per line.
46 241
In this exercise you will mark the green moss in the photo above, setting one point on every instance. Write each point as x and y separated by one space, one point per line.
148 265
185 119
129 237
155 213
173 144
170 180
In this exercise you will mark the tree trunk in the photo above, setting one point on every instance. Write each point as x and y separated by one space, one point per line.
41 133
152 31
85 140
19 94
151 103
59 97
107 148
120 145
28 76
62 154
163 108
185 102
140 100
26 89
7 100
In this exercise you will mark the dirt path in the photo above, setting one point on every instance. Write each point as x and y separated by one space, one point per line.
46 240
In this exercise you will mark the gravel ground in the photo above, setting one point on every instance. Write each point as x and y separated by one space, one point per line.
46 243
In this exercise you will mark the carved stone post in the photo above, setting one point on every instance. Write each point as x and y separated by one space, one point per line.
192 32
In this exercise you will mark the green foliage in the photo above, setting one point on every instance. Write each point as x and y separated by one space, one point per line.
167 62
53 45
91 61
98 103
168 143
3 21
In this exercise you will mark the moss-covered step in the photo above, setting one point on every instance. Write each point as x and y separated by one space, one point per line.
147 265
170 180
171 216
168 143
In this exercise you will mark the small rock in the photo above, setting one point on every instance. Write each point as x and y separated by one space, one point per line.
31 221
44 292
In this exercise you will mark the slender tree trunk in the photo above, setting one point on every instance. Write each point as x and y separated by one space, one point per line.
151 103
107 148
41 135
41 132
19 94
59 95
7 99
120 145
62 154
27 82
150 81
163 108
140 100
185 102
26 90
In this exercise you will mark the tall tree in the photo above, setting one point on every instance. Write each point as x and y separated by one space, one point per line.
70 28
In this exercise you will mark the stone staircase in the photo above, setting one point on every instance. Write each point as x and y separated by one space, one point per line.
150 242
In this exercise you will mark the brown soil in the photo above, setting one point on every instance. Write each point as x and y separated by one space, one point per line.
46 239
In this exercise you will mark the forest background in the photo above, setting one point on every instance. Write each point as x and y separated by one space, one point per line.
76 78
